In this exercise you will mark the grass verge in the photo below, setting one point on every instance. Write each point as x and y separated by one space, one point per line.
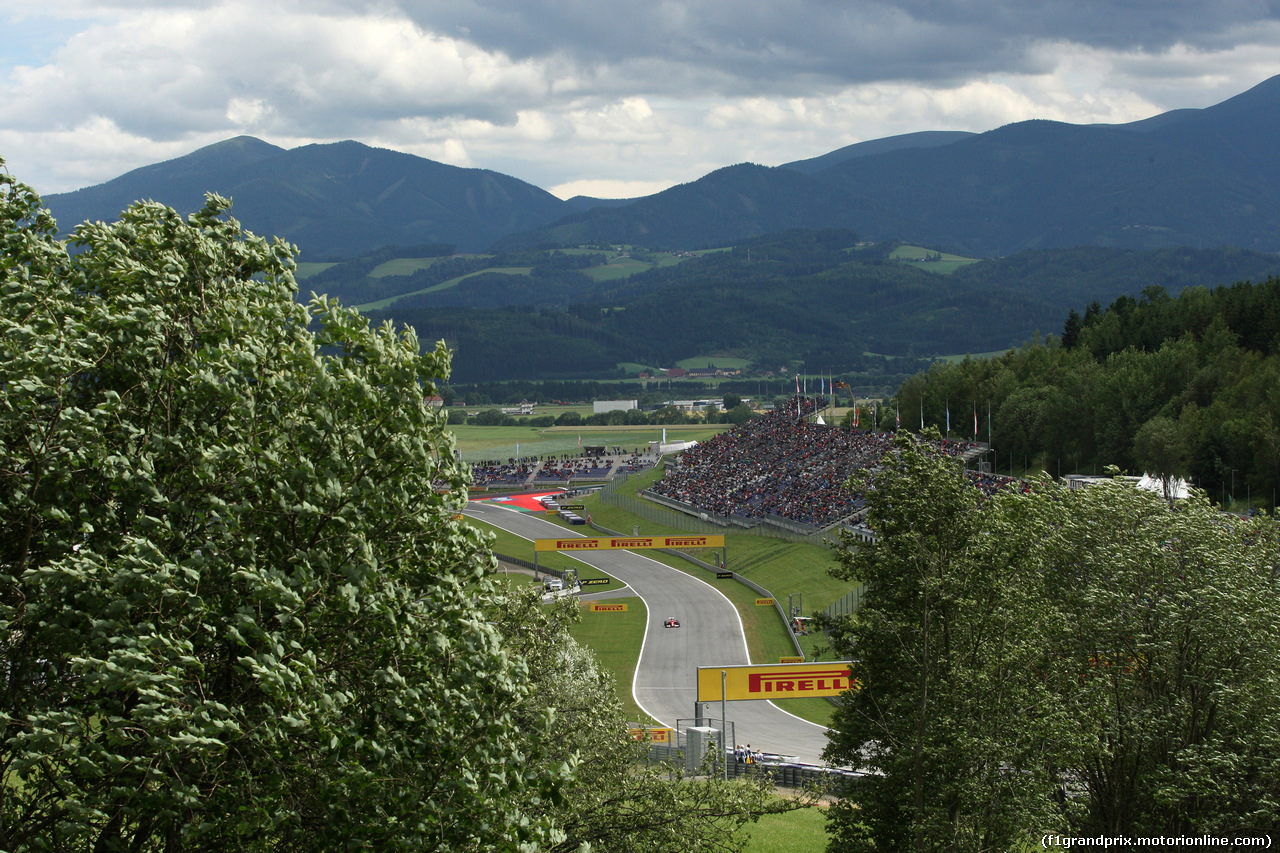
799 831
616 638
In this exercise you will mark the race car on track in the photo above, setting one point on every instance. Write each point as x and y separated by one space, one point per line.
671 623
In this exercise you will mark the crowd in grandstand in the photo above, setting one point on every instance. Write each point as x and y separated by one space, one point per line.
515 472
781 465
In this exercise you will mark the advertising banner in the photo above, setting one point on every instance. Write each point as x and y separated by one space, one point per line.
620 543
776 681
651 735
601 607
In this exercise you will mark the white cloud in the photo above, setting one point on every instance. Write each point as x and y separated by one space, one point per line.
613 94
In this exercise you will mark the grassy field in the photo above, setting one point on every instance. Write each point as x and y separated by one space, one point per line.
477 443
306 269
923 258
444 285
401 266
615 638
713 361
799 831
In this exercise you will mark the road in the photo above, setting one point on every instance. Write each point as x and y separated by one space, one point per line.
711 635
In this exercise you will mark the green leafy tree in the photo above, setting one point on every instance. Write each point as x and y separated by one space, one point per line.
236 611
1175 637
618 802
1094 660
955 713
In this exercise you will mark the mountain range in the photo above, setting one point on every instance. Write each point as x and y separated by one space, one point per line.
1190 177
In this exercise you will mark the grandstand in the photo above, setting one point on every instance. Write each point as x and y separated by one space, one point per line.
783 467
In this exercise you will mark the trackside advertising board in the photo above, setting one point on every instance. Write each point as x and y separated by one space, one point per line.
619 543
776 681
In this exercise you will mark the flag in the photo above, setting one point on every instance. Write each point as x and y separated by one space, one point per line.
797 383
517 450
579 441
948 405
875 413
922 414
897 416
855 413
975 421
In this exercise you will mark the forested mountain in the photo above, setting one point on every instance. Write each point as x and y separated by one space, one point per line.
1194 177
813 297
1191 177
1182 385
338 200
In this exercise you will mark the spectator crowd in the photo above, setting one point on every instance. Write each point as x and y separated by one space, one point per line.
782 465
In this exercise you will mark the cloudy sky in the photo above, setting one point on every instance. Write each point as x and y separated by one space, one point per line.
598 97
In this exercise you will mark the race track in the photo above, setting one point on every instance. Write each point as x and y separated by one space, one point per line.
711 635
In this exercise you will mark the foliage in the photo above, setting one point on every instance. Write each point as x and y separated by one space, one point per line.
1085 662
235 610
619 803
1174 386
956 710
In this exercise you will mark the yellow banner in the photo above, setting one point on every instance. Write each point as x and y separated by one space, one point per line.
764 602
777 681
651 735
603 607
617 543
790 659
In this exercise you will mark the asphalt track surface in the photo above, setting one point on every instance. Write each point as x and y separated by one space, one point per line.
711 634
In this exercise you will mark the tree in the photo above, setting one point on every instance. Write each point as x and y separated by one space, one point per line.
955 712
1176 637
732 401
1160 449
1093 661
236 611
618 803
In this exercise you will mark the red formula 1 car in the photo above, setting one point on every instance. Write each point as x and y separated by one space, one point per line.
671 623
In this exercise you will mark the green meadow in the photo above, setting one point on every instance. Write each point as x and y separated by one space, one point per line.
477 443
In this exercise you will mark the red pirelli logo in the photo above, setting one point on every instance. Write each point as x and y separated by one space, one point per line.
787 682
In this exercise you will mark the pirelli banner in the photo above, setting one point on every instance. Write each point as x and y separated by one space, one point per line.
620 543
777 681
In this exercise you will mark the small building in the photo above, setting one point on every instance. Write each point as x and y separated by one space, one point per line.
525 408
599 407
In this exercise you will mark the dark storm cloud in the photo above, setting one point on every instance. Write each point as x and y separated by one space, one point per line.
788 41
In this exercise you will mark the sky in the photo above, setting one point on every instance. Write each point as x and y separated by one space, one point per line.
593 97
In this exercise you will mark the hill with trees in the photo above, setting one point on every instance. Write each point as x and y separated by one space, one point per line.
1190 177
239 609
817 298
335 200
1183 386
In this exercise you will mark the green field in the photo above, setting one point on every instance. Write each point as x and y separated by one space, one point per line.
726 361
401 266
477 443
799 831
615 638
306 269
922 258
444 285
